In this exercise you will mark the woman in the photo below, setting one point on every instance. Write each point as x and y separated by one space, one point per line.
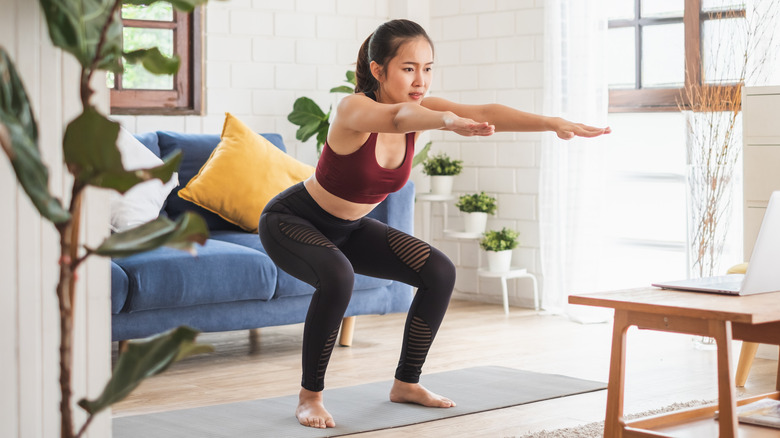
317 230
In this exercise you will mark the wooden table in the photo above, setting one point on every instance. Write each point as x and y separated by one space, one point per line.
754 318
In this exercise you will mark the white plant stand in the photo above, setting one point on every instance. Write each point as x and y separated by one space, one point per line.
504 276
514 272
427 199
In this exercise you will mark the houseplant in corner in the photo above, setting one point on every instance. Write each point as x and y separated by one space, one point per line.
477 207
499 246
91 31
442 169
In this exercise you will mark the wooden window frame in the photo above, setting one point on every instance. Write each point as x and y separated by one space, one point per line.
667 99
186 96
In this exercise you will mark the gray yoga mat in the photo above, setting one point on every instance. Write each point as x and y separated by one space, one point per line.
360 408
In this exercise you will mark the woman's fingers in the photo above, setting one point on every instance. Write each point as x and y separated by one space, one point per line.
579 130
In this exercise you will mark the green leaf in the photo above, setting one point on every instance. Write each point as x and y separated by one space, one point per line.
422 155
93 158
305 112
154 61
306 131
351 78
89 145
182 5
145 359
342 89
188 229
76 27
19 140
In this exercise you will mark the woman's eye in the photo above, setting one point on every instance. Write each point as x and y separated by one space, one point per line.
408 69
428 69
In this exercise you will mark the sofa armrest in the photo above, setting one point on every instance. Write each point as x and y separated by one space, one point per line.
398 209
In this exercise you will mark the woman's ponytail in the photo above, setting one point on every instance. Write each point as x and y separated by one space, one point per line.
365 81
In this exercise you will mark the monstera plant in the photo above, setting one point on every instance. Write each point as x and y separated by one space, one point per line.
311 119
91 31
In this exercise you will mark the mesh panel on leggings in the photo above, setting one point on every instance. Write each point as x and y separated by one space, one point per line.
325 356
305 234
411 250
420 339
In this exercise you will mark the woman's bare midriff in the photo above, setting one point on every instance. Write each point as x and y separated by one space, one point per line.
334 205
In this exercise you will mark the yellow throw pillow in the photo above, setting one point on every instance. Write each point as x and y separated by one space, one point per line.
242 174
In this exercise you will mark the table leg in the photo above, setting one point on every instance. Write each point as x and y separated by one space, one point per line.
777 380
617 377
727 398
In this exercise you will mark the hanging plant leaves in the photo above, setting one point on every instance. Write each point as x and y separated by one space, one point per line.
19 140
145 359
76 26
182 5
154 61
183 234
93 158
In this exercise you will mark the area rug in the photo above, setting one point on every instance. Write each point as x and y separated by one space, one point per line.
596 429
360 408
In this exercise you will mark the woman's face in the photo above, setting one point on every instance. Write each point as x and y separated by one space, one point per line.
408 75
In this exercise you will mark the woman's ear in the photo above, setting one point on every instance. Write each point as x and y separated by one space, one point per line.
376 71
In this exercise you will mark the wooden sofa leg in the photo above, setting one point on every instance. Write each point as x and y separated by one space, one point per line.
122 346
746 356
347 329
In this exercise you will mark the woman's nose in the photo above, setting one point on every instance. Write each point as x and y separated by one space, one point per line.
419 79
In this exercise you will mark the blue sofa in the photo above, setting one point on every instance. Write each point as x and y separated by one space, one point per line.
231 284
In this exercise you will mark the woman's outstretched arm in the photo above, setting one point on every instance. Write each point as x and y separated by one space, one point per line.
505 119
358 113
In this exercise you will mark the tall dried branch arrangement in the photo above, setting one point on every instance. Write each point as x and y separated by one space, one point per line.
735 55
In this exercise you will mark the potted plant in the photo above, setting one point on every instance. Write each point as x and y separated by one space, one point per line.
477 207
441 168
499 246
91 31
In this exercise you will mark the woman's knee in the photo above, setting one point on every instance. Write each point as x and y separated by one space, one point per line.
440 270
336 280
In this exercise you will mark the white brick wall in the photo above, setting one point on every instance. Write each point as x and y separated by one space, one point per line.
261 55
490 51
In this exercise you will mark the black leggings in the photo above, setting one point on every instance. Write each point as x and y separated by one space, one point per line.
325 251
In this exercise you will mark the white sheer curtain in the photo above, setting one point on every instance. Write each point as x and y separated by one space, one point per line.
571 193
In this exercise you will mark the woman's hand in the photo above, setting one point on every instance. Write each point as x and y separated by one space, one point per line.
467 127
567 130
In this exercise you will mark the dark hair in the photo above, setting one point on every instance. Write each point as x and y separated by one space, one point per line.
381 46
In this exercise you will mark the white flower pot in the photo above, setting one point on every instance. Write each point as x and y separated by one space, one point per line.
476 222
499 261
441 184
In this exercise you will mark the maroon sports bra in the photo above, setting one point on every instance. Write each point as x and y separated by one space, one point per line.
357 177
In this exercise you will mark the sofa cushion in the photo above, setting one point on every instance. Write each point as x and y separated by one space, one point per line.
220 272
286 284
119 285
196 149
143 202
242 174
149 139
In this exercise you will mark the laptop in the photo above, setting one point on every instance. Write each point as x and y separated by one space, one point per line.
763 272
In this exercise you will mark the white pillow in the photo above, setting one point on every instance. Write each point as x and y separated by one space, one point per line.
143 202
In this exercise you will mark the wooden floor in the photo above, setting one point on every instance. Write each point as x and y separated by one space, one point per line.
662 368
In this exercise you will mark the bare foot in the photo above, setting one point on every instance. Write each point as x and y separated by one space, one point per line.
403 392
311 411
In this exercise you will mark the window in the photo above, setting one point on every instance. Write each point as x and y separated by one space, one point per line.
137 91
659 47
